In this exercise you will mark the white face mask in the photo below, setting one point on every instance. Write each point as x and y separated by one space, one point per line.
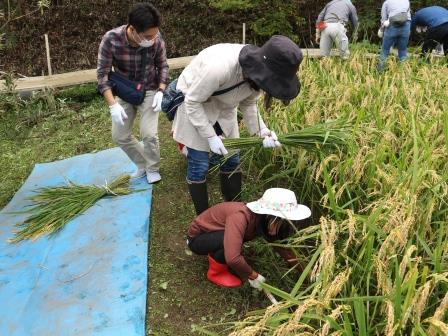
145 43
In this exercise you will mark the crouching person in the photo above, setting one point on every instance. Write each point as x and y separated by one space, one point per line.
221 231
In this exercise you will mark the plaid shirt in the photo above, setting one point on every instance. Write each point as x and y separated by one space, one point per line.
115 50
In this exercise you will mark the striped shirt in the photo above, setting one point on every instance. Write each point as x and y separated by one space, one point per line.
116 51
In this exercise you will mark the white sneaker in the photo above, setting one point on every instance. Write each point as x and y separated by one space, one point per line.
153 176
140 172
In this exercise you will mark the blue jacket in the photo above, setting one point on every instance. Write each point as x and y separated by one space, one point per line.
430 17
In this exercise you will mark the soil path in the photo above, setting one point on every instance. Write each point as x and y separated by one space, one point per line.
179 294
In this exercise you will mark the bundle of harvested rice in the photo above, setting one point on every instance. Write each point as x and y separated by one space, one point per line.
54 207
318 137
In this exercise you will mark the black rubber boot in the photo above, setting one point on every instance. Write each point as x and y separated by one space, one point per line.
199 195
231 186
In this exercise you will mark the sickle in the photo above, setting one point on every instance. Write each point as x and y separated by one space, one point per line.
270 296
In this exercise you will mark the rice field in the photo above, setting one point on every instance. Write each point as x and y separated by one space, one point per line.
376 260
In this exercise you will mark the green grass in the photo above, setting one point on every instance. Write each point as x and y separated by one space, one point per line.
62 124
28 137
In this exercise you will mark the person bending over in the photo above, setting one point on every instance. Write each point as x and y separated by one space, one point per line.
242 71
331 26
433 20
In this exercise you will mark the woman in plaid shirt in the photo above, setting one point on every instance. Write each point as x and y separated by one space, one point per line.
122 48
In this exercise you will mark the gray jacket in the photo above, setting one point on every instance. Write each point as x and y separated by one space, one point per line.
337 11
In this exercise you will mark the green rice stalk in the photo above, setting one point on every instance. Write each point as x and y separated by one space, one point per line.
313 138
54 207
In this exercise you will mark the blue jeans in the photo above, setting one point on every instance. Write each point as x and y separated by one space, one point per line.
398 36
198 163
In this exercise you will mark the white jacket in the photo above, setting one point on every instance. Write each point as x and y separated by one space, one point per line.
214 68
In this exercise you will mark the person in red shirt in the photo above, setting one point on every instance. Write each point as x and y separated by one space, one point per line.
221 231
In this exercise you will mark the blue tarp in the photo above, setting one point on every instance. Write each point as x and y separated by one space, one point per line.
91 277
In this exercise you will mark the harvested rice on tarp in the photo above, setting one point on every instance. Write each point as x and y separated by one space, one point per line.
54 207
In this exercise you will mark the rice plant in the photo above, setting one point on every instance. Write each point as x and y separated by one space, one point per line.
53 207
376 261
313 138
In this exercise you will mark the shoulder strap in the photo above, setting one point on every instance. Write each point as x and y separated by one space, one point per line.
221 92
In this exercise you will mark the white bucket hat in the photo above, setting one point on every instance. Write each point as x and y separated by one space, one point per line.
280 202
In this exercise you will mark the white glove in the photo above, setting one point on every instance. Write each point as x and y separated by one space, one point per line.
264 132
256 283
216 145
157 101
380 33
270 142
420 29
386 23
118 114
273 136
270 138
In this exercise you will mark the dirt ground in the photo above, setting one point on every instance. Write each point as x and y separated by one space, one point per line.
179 295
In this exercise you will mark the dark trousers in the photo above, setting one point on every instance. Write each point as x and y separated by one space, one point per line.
434 36
209 242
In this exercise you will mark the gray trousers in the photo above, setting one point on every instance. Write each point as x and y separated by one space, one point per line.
145 154
337 33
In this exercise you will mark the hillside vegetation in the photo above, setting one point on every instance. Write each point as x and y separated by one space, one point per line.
75 27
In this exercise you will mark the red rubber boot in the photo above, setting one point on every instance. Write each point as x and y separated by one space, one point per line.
219 274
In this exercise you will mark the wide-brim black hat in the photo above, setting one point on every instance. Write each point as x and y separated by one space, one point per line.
273 67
